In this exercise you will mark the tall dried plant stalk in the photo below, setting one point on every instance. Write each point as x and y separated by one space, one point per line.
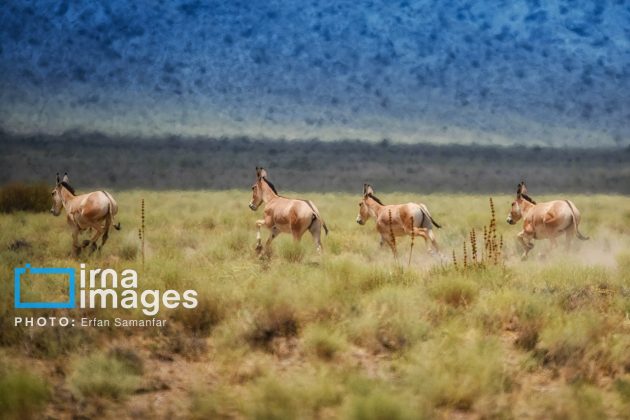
141 232
392 238
492 251
412 240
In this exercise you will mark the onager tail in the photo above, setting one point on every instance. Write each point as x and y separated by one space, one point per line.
435 223
316 215
111 211
426 213
578 234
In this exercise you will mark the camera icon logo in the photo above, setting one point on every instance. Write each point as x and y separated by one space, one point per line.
18 272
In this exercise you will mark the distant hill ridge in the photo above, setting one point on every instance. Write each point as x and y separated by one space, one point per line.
97 160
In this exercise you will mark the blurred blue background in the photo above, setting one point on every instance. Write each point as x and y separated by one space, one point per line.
498 72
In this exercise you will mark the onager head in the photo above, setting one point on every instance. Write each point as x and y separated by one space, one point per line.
364 211
257 190
56 194
516 211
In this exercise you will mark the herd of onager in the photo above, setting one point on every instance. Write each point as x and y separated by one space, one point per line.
548 220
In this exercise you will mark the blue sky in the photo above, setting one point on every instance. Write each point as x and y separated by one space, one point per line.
502 72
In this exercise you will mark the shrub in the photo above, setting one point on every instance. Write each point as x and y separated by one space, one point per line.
292 251
22 394
458 372
128 251
212 404
200 321
379 406
278 320
303 394
175 339
24 197
273 400
512 310
569 337
129 358
390 321
55 341
323 342
455 291
99 375
570 402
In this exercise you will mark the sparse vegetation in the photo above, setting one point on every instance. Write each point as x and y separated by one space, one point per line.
17 196
114 376
348 334
23 394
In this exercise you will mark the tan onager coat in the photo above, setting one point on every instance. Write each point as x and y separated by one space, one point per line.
544 220
281 214
95 210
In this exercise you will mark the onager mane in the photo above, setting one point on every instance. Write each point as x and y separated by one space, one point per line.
375 198
68 187
270 185
528 198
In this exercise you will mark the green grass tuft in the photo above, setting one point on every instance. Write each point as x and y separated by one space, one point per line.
23 395
104 376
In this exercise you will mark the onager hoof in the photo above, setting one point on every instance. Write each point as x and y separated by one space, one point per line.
259 248
93 248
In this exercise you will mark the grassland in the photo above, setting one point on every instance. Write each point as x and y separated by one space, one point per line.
348 334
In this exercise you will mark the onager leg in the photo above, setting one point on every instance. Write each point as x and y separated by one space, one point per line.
274 232
436 248
569 239
75 241
424 233
97 234
108 223
259 224
316 231
525 240
388 240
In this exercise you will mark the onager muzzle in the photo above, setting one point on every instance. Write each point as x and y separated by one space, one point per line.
253 206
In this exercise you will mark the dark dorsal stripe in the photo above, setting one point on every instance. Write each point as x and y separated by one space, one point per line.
528 198
270 185
67 187
309 204
375 198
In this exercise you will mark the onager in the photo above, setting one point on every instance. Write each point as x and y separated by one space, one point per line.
398 220
281 214
94 210
544 220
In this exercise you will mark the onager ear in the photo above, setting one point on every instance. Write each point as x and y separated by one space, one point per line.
65 178
523 188
58 180
263 173
367 189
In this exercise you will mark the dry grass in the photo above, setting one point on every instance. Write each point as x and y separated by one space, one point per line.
350 333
